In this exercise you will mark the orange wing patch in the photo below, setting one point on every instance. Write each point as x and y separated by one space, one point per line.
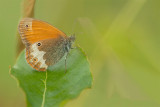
32 31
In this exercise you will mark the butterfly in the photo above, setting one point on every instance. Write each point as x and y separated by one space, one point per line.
45 44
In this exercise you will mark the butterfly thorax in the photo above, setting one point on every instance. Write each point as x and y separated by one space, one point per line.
69 42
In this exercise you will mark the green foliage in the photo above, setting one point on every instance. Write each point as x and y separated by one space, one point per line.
121 39
53 87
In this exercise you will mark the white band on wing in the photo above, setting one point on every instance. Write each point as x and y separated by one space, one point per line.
39 55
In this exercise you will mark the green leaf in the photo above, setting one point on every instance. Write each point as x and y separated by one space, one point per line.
53 87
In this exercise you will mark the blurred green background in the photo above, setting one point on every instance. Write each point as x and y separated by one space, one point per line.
120 37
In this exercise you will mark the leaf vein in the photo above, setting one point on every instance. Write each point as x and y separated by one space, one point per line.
45 89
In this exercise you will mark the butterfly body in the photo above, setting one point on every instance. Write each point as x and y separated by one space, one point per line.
45 44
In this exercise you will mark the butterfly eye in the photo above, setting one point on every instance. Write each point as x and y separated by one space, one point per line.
39 44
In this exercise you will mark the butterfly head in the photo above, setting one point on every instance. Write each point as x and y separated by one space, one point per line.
69 42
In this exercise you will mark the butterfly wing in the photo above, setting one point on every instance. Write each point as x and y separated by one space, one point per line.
49 53
32 30
43 43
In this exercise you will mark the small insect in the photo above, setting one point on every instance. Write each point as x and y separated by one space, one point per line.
45 44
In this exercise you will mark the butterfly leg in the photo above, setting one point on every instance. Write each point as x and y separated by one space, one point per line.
66 62
66 59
